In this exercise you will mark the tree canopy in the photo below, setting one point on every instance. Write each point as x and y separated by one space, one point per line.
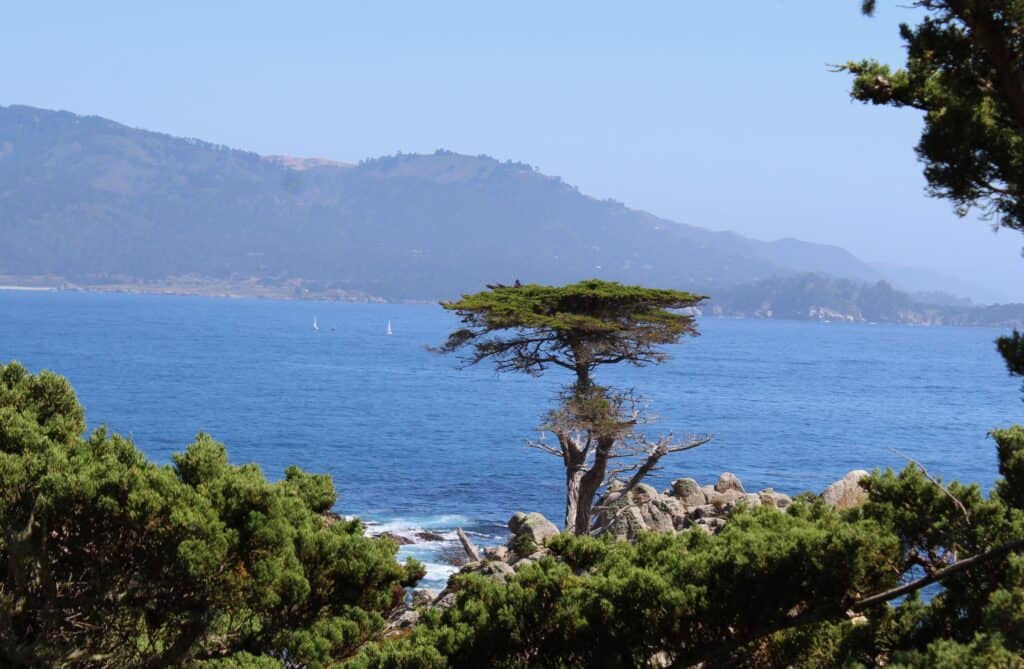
963 70
578 326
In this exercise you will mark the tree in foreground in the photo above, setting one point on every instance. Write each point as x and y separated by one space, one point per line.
108 560
580 327
963 70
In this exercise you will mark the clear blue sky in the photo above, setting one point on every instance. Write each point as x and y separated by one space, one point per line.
722 115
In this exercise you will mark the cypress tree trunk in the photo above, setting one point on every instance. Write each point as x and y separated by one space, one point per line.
573 478
588 487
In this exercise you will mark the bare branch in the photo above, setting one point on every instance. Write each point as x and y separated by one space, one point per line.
959 504
544 447
467 545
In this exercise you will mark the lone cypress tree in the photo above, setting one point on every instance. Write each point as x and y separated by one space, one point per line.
580 327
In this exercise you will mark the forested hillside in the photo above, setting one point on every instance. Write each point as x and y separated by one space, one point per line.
90 201
822 298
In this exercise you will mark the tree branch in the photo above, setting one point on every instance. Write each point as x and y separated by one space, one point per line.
959 504
839 611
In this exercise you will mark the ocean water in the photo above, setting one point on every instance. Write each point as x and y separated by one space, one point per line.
415 443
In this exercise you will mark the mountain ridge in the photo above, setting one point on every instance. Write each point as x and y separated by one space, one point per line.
93 201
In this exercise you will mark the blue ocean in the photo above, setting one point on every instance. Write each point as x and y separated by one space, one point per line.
415 443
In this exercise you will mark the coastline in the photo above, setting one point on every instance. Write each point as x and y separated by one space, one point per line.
295 289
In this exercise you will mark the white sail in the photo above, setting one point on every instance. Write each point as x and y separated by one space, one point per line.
388 329
316 328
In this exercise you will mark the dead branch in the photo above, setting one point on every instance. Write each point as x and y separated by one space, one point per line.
657 451
959 504
544 447
467 545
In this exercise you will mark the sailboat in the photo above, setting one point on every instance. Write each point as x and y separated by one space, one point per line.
387 330
316 328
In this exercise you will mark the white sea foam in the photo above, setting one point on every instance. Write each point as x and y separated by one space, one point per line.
428 551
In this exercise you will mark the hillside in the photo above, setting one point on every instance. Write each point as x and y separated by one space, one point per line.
821 298
90 201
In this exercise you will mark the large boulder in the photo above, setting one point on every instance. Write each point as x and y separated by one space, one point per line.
726 498
496 553
662 513
516 521
534 527
779 500
423 597
688 492
622 518
751 499
729 481
644 509
847 492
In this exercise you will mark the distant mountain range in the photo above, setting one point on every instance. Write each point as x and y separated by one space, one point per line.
820 298
90 201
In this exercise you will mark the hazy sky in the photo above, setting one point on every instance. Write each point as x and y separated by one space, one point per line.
722 115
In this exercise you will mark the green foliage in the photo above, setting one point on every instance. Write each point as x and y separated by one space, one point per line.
771 589
616 604
523 545
108 559
1011 465
577 326
963 71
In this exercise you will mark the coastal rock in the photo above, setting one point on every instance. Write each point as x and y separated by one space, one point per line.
688 492
516 521
499 571
535 527
500 553
776 499
404 620
729 481
663 514
423 597
397 538
429 536
847 492
711 525
642 492
622 518
703 511
446 599
726 498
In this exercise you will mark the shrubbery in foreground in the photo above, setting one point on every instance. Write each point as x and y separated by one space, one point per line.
771 590
110 560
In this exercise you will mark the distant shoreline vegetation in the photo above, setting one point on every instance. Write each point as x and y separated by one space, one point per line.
806 297
812 297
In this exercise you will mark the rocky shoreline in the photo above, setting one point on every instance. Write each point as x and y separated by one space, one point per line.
686 506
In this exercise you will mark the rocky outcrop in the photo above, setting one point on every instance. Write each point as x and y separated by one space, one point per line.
532 527
686 505
688 492
847 492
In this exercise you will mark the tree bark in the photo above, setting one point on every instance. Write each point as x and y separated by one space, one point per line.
467 545
573 479
590 484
